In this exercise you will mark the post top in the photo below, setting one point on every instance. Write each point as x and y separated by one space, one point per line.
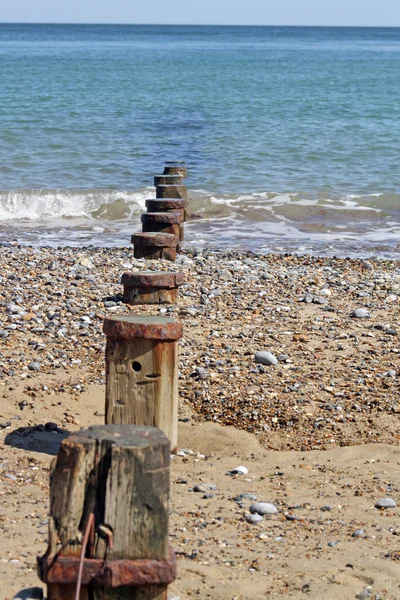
134 436
153 279
175 162
155 238
148 327
161 217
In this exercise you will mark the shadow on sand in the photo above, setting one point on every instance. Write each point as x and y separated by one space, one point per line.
40 438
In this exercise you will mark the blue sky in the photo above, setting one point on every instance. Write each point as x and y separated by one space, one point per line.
230 12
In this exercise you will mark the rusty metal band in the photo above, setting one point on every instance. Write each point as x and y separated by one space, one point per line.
108 574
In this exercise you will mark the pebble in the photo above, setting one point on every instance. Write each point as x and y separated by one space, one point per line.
359 533
254 518
191 312
245 496
239 471
391 373
263 508
35 593
265 358
204 487
360 313
364 594
386 503
34 366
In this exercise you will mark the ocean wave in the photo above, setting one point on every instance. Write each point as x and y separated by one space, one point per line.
107 217
52 205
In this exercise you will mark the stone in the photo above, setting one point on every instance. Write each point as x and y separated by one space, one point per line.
265 358
359 533
34 366
245 496
386 503
204 487
35 593
360 313
239 471
364 594
391 373
263 508
254 518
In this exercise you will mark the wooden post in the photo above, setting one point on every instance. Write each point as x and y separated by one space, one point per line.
151 287
168 222
173 179
154 246
171 191
142 372
175 167
120 474
177 205
175 170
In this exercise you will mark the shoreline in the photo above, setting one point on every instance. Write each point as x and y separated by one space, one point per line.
317 430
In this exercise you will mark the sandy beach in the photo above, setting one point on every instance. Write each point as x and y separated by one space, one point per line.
317 431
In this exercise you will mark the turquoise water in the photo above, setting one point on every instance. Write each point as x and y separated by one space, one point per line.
291 135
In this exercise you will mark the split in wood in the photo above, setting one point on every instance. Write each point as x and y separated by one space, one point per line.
166 222
154 245
142 372
119 474
151 287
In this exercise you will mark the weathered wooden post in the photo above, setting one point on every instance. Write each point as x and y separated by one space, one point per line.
108 527
142 372
177 205
171 191
176 167
154 246
151 287
168 222
167 179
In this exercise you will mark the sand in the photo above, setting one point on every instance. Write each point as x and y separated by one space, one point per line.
318 432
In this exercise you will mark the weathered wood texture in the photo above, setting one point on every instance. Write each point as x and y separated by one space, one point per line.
165 205
171 191
121 474
151 287
168 179
166 222
142 372
177 168
155 245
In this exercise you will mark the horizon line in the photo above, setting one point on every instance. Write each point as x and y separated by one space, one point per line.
196 24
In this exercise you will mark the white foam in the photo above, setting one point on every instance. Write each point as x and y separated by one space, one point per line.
50 205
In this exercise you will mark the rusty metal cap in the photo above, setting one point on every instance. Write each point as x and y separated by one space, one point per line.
172 218
158 204
155 238
153 279
152 328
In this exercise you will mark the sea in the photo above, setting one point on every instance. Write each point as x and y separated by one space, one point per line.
291 135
